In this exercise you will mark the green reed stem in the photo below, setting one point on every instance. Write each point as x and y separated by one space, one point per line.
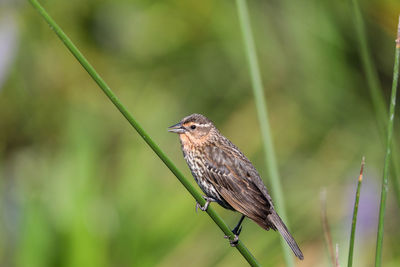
379 242
375 90
262 112
355 211
114 99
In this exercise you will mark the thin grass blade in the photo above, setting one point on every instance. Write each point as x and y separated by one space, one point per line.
355 211
385 186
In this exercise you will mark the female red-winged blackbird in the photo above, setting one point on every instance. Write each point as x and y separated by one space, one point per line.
227 177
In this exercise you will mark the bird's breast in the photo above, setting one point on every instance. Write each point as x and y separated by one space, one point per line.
198 169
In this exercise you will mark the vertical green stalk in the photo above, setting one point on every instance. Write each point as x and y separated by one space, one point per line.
379 242
355 211
263 118
375 90
114 99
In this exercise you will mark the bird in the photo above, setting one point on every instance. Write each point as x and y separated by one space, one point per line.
227 177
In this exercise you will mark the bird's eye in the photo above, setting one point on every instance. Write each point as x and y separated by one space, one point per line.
193 127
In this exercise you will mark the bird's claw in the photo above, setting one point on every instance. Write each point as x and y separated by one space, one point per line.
234 241
205 207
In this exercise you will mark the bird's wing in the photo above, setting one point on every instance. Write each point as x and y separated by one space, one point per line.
237 181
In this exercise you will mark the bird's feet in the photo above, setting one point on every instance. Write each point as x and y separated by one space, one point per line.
234 241
205 207
236 231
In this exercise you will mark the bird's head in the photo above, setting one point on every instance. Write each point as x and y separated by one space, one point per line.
194 128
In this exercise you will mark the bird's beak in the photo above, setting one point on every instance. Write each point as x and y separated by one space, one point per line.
177 128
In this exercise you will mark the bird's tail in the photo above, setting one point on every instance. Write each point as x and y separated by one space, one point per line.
281 227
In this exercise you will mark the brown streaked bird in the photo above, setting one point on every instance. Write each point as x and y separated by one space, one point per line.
227 177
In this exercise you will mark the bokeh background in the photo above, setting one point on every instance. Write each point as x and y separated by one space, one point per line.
79 187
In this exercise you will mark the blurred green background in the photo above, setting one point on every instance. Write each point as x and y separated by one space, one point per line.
79 187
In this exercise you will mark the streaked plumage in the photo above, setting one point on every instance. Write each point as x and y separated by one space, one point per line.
226 176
